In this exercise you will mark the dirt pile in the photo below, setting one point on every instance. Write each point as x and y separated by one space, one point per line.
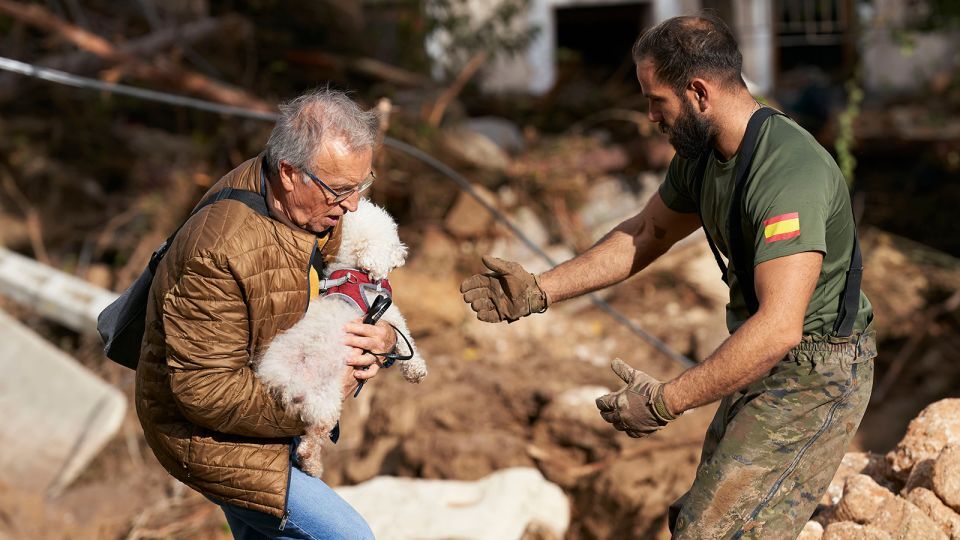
912 492
522 394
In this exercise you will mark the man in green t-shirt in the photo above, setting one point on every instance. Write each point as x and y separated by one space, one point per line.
793 388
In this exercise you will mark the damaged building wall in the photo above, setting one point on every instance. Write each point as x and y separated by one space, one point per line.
534 70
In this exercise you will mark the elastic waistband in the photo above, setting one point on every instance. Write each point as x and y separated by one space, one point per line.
862 345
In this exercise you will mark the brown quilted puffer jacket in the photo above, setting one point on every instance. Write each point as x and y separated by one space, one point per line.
231 281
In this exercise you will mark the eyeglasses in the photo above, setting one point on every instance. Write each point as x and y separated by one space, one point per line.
343 195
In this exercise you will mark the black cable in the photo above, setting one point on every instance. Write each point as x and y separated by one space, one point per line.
466 186
60 77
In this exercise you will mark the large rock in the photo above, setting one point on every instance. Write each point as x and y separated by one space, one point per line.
502 506
867 503
848 530
474 149
933 507
503 132
904 521
934 428
469 218
862 500
511 248
811 531
608 202
946 476
853 463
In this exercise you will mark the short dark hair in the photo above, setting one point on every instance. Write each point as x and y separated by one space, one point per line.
682 48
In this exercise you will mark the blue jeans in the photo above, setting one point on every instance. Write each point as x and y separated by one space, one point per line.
314 512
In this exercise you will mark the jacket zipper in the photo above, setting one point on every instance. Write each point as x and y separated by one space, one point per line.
286 498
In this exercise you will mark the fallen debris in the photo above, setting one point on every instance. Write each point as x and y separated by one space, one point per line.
502 506
913 496
56 414
70 301
936 427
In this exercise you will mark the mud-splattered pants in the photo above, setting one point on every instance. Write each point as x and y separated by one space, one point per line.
773 448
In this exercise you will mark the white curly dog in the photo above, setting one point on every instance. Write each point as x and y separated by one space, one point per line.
306 364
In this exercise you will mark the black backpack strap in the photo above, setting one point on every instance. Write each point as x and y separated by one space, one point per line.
698 177
253 200
850 300
316 260
742 265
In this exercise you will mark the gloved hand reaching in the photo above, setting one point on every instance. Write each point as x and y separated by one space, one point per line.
638 408
506 293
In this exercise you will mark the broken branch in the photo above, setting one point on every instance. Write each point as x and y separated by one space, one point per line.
451 93
183 79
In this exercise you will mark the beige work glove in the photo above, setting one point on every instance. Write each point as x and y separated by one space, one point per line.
638 408
505 293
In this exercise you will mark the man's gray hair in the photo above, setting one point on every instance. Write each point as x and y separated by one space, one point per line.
315 118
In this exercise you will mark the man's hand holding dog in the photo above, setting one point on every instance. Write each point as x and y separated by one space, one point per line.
506 293
638 408
373 338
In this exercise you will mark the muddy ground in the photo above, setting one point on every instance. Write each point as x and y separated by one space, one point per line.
506 395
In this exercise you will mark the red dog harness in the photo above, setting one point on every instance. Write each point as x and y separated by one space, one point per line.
355 287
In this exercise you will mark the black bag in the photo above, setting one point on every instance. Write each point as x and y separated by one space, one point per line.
121 324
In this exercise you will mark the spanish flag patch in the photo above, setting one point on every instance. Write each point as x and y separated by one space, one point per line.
781 227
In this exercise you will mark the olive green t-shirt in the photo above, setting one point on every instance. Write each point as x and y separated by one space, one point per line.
795 200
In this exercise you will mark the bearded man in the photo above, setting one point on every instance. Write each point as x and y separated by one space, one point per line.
794 377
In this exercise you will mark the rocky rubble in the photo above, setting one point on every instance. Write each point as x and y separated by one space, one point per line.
911 493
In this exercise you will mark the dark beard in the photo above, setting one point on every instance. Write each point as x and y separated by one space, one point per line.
691 134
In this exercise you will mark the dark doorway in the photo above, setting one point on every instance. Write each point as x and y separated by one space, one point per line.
599 38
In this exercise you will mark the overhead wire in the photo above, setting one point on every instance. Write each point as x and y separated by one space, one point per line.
76 81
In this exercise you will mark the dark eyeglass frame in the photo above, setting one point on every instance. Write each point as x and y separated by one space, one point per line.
343 195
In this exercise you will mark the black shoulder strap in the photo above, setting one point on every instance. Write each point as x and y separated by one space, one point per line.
316 259
742 266
850 300
255 201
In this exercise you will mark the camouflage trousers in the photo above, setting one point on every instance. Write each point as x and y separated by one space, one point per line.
773 448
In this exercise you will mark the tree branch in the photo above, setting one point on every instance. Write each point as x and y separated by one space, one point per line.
451 93
84 62
182 79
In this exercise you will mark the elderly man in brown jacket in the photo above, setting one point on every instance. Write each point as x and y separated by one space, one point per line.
232 280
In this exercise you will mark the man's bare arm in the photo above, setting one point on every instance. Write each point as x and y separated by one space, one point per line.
784 287
623 252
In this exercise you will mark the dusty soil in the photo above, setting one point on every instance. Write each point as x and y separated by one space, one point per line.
506 395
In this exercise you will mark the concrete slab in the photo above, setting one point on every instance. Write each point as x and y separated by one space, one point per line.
57 415
52 293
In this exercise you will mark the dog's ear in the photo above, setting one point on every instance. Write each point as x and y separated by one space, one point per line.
399 256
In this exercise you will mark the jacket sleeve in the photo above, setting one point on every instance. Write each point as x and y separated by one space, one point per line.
207 329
